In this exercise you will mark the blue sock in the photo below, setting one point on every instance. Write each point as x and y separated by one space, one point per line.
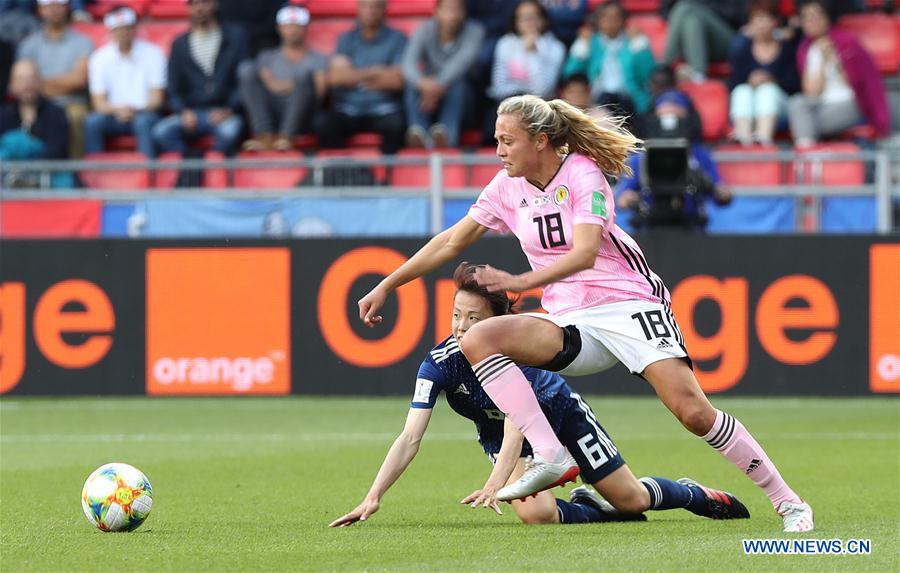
578 513
667 494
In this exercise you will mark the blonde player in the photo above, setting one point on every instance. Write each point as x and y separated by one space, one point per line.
605 304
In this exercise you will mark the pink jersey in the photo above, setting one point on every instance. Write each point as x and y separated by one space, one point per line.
544 222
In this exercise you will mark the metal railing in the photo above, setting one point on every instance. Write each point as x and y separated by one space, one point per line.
807 189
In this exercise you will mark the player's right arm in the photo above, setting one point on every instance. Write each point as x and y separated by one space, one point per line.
398 458
441 249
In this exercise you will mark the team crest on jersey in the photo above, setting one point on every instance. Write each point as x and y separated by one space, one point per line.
561 195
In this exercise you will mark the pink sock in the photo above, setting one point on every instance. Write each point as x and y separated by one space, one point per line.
734 442
509 389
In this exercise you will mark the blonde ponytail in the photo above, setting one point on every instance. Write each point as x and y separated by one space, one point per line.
570 130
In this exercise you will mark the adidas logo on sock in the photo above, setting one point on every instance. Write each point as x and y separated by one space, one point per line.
663 344
754 463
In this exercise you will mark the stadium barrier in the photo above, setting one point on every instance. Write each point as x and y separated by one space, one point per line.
835 189
789 315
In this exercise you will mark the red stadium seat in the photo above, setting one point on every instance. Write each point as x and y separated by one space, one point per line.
711 100
322 35
765 173
654 27
470 138
51 218
420 175
879 34
838 172
379 173
269 177
168 9
125 178
167 177
364 139
121 143
481 175
215 177
306 141
95 31
99 8
163 33
632 6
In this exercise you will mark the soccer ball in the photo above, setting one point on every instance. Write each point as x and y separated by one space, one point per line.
117 497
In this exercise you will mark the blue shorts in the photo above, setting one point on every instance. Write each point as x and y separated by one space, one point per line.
584 437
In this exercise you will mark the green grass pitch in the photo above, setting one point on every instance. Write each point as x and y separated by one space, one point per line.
251 485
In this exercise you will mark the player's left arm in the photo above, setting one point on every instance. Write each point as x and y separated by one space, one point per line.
510 450
582 256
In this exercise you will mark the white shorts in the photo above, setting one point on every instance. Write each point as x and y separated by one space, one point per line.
635 333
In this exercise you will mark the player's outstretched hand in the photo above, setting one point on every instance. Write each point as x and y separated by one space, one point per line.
496 280
361 513
369 305
485 497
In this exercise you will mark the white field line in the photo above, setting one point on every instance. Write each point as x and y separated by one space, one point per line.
385 437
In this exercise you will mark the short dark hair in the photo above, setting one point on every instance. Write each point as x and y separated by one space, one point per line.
825 5
601 8
499 302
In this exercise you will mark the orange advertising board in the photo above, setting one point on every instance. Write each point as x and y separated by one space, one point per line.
884 318
218 321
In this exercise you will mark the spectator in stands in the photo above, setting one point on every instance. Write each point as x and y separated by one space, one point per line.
494 16
763 75
202 83
566 18
663 80
282 87
435 63
366 79
528 60
576 90
672 121
701 31
61 55
257 18
17 19
31 126
127 80
7 57
619 64
841 86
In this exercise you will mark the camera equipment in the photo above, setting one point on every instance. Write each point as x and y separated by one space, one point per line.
666 178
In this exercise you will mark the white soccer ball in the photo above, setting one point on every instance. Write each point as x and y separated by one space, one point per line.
116 497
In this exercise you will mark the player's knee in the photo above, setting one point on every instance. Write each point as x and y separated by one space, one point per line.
538 517
697 419
633 500
479 342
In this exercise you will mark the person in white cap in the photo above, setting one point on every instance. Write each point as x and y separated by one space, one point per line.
61 56
127 80
283 86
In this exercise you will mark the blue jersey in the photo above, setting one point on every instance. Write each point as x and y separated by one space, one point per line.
446 369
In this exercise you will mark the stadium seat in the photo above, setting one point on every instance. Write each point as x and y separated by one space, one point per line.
379 173
654 27
420 175
215 177
711 100
632 6
121 143
760 173
838 172
269 177
95 31
163 33
879 34
322 35
470 138
481 175
125 178
99 8
364 139
306 141
168 9
167 177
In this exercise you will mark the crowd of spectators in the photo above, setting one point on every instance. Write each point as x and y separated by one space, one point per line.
244 75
